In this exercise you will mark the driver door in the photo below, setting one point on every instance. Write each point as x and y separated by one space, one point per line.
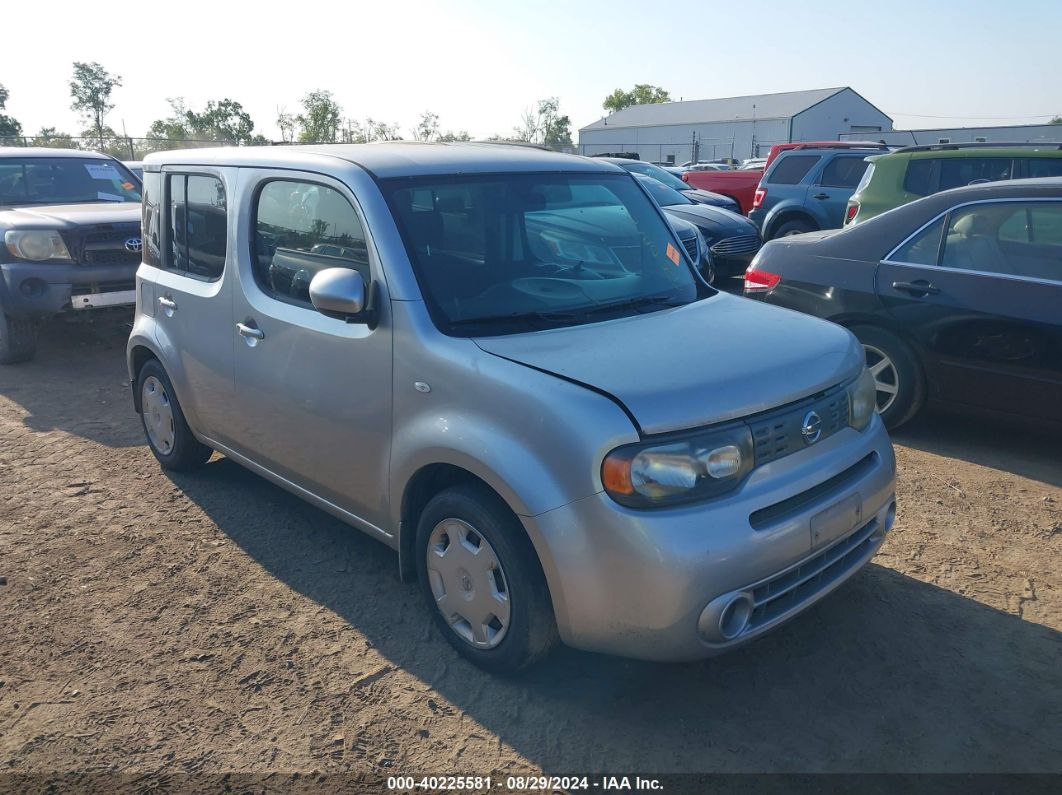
314 392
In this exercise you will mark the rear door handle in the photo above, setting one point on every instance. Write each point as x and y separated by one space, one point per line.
168 303
821 196
919 288
250 332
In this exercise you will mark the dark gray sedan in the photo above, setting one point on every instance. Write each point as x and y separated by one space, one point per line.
957 298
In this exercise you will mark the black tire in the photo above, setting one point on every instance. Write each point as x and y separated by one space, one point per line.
18 338
907 376
186 451
797 226
532 629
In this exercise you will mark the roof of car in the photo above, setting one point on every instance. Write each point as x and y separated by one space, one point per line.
1049 148
43 151
391 159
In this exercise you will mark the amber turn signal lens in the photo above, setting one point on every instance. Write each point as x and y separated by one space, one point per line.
616 475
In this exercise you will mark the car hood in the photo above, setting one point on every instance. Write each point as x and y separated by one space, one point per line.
714 222
706 196
69 216
710 361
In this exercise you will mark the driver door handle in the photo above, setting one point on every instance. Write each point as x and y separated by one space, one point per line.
250 331
918 289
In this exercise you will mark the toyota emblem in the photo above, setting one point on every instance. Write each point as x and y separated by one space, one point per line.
134 244
811 427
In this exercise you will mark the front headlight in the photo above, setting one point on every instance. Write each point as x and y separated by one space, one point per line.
36 244
687 469
862 400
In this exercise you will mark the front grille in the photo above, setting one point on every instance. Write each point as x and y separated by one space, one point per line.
103 244
737 246
774 597
777 433
690 244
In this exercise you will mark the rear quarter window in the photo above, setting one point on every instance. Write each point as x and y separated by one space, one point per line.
919 177
791 169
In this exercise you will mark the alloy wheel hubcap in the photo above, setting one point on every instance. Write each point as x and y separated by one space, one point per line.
886 380
468 583
158 415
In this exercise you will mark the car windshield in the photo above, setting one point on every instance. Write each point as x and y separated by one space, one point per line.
65 180
664 196
657 173
506 253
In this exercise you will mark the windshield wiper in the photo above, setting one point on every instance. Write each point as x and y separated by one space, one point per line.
516 317
631 303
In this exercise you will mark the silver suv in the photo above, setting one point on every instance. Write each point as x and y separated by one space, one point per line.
500 362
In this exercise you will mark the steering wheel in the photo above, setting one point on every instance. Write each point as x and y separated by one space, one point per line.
549 287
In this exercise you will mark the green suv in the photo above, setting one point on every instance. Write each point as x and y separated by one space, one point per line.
916 171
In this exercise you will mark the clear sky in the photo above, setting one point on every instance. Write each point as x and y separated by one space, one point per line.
478 65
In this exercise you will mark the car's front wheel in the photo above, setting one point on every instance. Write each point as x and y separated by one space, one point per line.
483 581
169 437
18 338
898 382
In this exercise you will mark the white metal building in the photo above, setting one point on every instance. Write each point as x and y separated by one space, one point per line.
738 127
1015 133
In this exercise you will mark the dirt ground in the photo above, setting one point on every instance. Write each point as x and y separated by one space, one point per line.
212 622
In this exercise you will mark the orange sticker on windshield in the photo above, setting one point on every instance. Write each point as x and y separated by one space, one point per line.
673 254
127 185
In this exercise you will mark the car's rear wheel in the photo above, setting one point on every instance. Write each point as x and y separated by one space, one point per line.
18 338
797 226
898 381
483 581
169 437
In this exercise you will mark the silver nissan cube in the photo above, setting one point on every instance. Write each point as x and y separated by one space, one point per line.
503 363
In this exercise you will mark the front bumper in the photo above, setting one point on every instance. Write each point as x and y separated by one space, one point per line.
36 289
658 584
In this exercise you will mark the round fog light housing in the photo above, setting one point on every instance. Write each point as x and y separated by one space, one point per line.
723 462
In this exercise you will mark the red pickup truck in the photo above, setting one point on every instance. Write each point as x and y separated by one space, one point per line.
738 185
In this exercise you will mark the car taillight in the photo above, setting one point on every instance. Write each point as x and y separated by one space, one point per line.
757 200
686 178
757 281
851 212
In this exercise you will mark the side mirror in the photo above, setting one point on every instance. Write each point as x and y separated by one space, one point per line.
341 293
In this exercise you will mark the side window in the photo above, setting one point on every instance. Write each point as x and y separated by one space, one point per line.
1044 167
791 169
1011 238
151 220
923 248
302 228
843 172
197 225
919 177
956 172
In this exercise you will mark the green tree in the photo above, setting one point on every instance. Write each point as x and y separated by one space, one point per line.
319 122
427 128
553 128
49 136
9 126
224 120
451 135
286 123
1056 120
91 88
641 94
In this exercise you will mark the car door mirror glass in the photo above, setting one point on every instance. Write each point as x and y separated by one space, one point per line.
338 292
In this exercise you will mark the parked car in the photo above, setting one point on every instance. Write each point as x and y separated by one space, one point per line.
136 166
562 430
661 175
805 190
955 297
738 185
732 239
70 223
916 171
753 164
708 167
